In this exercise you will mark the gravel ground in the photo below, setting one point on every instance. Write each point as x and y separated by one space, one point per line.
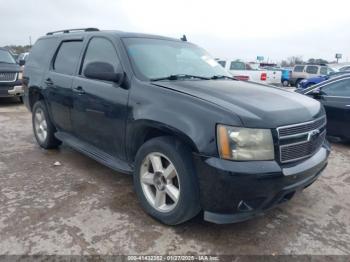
82 207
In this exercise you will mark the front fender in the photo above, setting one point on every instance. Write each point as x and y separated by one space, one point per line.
192 119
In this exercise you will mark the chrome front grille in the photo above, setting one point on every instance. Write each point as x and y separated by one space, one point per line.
302 140
8 76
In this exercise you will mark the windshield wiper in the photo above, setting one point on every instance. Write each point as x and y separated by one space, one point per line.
215 77
3 62
179 76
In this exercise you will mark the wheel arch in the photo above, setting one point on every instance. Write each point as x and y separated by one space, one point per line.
145 130
34 94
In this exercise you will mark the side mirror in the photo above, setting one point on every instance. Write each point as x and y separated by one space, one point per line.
22 62
316 93
103 71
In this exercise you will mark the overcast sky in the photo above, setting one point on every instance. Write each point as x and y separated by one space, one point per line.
244 29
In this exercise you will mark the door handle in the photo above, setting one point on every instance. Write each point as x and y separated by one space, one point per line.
79 90
48 82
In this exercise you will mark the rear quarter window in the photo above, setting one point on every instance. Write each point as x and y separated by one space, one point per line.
41 53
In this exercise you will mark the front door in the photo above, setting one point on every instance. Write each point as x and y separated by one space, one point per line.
336 99
100 107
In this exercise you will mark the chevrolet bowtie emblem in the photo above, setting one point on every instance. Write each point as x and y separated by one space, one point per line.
313 134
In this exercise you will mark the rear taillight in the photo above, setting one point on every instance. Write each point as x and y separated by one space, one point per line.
263 77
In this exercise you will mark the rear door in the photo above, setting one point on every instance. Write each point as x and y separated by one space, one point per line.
58 83
336 99
99 112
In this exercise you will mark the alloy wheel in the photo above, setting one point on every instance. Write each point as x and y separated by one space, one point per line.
160 182
40 125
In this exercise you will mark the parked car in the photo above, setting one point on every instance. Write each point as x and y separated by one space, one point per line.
301 72
162 109
318 79
285 74
344 69
245 71
334 94
10 76
22 58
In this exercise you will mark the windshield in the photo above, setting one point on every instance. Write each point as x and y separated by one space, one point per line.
6 57
156 58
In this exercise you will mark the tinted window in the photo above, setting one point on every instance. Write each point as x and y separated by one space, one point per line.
41 53
323 70
339 88
237 65
101 50
345 68
299 69
67 57
222 63
312 69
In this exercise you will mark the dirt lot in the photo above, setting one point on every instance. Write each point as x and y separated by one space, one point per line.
82 207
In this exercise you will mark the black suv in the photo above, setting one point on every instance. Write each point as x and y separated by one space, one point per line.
194 138
10 76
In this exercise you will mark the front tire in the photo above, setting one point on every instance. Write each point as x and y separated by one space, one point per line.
165 181
297 83
43 128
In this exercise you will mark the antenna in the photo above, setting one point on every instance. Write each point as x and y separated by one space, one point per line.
184 38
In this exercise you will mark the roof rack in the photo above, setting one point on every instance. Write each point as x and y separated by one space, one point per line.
67 31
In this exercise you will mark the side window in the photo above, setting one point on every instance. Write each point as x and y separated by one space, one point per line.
339 88
41 53
323 70
67 57
235 65
298 68
101 50
311 69
345 68
222 63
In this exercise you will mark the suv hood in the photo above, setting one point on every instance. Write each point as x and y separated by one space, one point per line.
9 67
256 105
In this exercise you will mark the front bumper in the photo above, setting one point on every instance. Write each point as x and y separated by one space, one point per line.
11 89
236 191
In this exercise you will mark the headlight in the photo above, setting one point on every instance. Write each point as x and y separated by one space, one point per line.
242 144
20 76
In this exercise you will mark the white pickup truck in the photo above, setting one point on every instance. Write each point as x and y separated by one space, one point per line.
246 72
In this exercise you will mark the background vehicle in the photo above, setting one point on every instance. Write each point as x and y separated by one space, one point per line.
318 79
301 72
10 76
22 58
244 71
345 68
334 94
162 109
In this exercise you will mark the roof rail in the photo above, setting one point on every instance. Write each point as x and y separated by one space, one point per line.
66 31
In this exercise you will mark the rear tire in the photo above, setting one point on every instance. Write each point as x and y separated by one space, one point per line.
43 128
178 193
285 83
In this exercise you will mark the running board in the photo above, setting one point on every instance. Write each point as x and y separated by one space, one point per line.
95 153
